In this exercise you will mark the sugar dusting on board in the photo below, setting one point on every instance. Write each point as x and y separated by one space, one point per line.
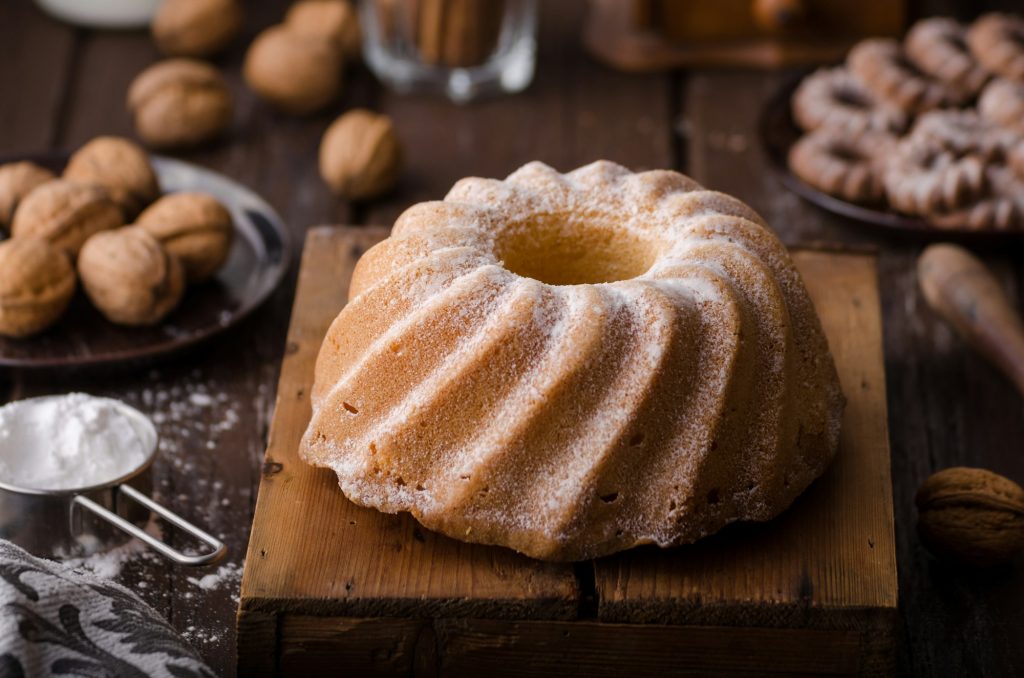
199 416
71 441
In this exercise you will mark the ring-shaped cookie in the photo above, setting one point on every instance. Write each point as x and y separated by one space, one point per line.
1002 209
840 164
833 97
997 41
938 46
963 132
1002 102
885 69
924 180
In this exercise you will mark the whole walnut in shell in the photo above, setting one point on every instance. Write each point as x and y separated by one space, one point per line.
196 28
297 73
120 166
130 277
971 516
65 214
360 156
17 180
195 228
334 20
179 102
37 282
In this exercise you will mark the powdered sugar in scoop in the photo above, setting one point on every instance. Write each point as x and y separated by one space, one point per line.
71 441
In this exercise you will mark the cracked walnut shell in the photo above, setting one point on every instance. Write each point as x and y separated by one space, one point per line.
65 214
196 28
195 228
297 73
972 516
130 277
360 156
120 166
37 283
334 20
17 180
179 102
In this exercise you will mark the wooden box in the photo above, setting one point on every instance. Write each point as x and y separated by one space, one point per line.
333 589
645 35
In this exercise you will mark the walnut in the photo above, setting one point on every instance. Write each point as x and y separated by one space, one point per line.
297 73
120 166
17 179
195 228
179 102
130 277
334 20
196 28
37 282
65 214
360 156
971 515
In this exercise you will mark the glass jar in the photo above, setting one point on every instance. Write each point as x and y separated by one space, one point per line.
461 48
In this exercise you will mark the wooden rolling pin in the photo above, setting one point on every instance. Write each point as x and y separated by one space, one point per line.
964 292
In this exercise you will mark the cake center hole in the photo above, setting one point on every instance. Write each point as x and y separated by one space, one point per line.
566 252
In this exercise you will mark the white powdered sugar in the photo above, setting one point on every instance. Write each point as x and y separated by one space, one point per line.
71 441
228 575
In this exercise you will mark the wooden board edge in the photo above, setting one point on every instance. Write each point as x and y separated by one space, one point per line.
403 646
546 609
257 643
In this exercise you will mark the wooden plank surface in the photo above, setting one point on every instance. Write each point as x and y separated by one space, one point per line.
315 646
834 549
827 563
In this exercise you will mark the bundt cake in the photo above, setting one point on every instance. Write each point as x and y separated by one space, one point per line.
571 365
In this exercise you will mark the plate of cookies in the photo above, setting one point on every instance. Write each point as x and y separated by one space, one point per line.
111 255
923 135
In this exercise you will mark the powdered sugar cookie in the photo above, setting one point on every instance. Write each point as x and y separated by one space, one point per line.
938 47
1002 102
963 132
1001 210
884 68
997 41
924 180
833 97
841 164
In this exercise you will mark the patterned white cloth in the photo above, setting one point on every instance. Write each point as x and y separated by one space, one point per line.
58 621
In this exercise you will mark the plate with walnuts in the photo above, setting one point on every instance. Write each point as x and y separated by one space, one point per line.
111 255
921 136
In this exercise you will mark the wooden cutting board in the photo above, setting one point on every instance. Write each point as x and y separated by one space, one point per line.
333 588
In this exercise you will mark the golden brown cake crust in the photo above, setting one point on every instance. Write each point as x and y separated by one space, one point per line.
572 365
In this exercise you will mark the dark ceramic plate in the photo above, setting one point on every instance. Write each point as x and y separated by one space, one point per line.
257 263
778 132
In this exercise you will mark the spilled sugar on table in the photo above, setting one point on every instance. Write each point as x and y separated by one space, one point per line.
329 584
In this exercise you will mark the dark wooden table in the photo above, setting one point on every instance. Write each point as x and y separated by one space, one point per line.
59 87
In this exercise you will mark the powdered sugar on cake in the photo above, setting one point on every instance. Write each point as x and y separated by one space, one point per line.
574 364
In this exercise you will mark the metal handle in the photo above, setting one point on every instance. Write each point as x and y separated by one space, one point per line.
219 549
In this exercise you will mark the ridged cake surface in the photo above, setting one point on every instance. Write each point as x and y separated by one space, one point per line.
571 365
